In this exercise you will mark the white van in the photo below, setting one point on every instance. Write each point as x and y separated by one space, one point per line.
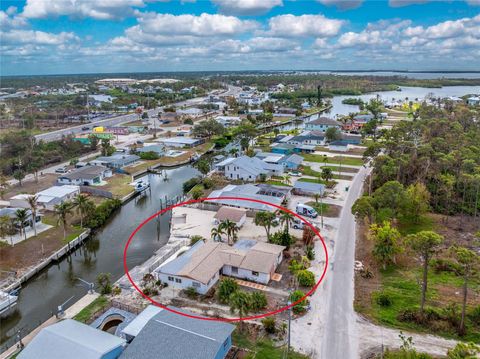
306 210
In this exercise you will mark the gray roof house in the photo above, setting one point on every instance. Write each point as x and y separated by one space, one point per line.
168 335
308 188
73 340
263 192
158 149
117 160
87 175
248 168
322 124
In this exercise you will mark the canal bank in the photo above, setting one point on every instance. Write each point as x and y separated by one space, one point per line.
102 252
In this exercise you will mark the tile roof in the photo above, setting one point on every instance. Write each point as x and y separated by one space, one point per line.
233 214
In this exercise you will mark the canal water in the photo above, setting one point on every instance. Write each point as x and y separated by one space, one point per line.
103 252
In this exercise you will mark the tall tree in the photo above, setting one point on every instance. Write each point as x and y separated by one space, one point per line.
216 232
266 220
416 202
33 203
3 185
385 239
62 211
83 206
469 262
21 216
19 175
425 244
230 229
285 219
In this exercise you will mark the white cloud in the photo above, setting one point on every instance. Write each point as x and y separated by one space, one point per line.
342 4
303 26
190 25
97 9
246 7
37 37
447 29
10 20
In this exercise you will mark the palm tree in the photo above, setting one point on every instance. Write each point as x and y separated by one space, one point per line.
33 203
83 205
230 229
21 216
62 211
287 179
5 226
285 219
240 301
217 232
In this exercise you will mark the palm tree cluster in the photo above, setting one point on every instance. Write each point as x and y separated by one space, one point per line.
227 227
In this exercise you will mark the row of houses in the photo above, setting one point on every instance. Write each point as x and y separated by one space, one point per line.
154 331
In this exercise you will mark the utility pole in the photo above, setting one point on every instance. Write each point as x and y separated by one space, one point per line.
321 209
289 325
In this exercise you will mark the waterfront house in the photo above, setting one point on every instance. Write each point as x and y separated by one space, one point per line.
248 169
261 192
47 199
115 161
308 188
161 333
308 138
158 149
202 265
73 340
322 124
282 148
236 215
228 121
86 176
11 213
181 142
292 162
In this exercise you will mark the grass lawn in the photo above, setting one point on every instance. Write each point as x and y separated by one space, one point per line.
119 185
353 161
76 231
86 313
316 180
262 349
406 227
277 183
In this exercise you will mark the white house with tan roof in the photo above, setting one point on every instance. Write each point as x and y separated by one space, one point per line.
236 215
202 265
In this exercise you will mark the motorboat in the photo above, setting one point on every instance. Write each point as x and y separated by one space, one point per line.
141 185
7 302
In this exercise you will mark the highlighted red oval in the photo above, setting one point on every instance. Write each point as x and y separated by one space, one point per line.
310 292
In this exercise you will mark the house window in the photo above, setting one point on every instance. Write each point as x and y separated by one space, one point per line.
170 279
235 270
195 285
225 344
255 273
178 280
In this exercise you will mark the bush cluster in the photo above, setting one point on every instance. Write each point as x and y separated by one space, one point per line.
102 212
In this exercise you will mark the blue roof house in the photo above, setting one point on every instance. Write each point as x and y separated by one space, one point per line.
283 148
73 340
292 162
168 335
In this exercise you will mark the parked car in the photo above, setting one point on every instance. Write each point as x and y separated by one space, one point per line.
61 170
297 223
295 173
85 128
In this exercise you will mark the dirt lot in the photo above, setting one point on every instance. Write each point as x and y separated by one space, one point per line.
45 181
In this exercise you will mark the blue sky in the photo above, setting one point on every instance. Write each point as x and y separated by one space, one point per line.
85 36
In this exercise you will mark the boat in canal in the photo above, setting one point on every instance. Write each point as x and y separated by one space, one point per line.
8 301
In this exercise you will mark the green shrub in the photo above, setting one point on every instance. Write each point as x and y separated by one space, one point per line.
194 239
306 278
445 265
475 315
191 292
150 155
258 301
226 287
189 184
105 283
197 193
270 325
299 307
207 183
102 213
310 253
382 299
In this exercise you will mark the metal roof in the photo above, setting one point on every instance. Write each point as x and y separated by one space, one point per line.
309 187
86 172
70 339
173 336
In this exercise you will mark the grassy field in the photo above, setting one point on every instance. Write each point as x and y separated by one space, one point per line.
316 180
327 210
86 313
353 161
262 349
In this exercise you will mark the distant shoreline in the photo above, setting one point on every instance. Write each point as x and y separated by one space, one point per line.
211 72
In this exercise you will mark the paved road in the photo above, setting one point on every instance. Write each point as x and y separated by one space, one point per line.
340 332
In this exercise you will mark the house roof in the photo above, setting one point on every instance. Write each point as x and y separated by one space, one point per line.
180 140
339 143
70 339
119 158
152 148
323 121
252 165
309 187
296 159
233 214
137 324
86 172
176 336
205 259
